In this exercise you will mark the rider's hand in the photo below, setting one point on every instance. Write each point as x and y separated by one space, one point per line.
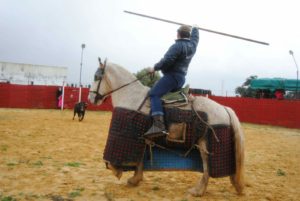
195 26
150 70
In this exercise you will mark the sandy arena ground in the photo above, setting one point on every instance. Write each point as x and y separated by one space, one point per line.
45 155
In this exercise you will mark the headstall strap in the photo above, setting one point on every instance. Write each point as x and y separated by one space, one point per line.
102 68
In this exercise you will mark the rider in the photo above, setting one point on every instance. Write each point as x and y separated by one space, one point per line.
174 66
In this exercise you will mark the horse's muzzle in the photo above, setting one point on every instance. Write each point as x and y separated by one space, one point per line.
92 97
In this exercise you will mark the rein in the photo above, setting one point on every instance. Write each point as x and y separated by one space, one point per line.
125 85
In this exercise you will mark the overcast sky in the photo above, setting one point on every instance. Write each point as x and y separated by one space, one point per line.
50 32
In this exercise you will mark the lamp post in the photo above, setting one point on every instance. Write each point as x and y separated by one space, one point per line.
292 53
82 47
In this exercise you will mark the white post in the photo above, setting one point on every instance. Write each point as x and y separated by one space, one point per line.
79 98
82 47
296 94
62 97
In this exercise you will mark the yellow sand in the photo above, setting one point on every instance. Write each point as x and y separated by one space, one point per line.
45 155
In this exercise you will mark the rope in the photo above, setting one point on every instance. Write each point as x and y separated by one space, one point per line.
143 102
209 126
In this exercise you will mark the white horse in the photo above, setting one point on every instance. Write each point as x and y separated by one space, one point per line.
127 92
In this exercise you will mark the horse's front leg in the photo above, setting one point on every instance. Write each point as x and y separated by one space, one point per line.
200 188
138 175
116 171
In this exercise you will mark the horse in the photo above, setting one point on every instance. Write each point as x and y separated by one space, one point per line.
126 91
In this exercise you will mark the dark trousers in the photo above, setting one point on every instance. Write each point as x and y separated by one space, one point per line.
169 82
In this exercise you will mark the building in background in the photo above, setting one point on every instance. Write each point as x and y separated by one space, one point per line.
29 74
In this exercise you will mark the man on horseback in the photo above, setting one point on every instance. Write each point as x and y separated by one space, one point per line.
174 66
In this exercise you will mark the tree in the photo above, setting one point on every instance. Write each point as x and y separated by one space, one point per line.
147 80
245 90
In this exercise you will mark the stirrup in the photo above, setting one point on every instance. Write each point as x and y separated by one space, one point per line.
155 132
155 135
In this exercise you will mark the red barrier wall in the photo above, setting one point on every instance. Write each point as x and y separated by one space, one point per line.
72 96
261 111
264 111
44 97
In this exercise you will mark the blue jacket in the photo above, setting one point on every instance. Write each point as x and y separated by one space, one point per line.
178 57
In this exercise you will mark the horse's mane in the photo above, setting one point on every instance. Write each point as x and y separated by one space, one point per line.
122 73
120 70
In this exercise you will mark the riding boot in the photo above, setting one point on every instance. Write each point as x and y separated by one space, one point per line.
157 129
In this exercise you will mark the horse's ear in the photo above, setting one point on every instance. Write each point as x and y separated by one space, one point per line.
100 63
105 61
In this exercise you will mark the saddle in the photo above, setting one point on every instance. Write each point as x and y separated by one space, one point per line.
177 98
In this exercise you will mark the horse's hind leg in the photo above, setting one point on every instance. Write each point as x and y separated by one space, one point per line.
237 179
138 175
200 188
235 182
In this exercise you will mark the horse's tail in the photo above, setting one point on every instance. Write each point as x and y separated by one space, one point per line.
238 178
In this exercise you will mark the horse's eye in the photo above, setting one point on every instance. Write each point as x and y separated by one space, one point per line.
97 77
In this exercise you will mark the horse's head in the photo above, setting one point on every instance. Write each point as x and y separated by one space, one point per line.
99 87
112 79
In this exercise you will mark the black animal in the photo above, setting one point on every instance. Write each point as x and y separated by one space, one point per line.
79 109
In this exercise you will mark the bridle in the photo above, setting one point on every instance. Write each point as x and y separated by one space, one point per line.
99 76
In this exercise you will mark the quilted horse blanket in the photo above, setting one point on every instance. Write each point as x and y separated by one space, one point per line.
125 145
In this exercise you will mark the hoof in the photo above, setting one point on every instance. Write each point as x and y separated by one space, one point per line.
133 181
117 172
237 185
196 193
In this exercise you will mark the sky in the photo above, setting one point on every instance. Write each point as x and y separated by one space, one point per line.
51 32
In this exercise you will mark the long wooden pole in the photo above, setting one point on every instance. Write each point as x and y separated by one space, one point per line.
203 29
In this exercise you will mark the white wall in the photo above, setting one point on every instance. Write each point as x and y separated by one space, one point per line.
25 74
